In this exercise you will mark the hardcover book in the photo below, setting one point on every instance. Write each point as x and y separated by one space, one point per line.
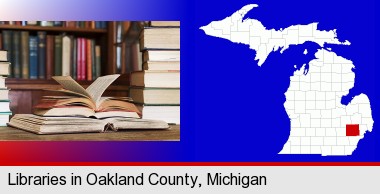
169 114
54 125
165 23
155 96
58 55
16 55
161 55
5 68
25 54
41 54
66 55
156 79
3 55
86 102
160 38
33 57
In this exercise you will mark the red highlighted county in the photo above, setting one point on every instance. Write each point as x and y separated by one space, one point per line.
352 130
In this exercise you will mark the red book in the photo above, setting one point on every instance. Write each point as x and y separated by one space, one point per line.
84 60
49 56
88 59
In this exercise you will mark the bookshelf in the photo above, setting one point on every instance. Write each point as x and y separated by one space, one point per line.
53 29
25 93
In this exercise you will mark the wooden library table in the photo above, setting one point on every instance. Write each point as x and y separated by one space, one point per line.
172 134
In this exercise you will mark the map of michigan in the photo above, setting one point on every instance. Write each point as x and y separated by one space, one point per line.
320 123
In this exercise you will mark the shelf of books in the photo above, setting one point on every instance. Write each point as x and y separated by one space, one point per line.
40 50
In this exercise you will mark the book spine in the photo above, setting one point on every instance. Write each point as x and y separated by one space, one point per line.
89 59
1 41
98 60
93 59
92 24
83 57
104 25
41 54
31 23
71 24
74 58
79 59
49 56
7 45
16 47
25 54
57 23
58 55
98 24
66 45
33 48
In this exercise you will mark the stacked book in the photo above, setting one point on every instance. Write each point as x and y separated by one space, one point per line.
4 99
157 88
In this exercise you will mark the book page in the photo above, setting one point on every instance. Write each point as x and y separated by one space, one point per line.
97 88
69 84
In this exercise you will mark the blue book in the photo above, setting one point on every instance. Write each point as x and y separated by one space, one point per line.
33 59
98 24
57 23
104 24
41 53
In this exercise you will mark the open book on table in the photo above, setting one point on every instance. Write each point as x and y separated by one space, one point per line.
86 102
56 125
